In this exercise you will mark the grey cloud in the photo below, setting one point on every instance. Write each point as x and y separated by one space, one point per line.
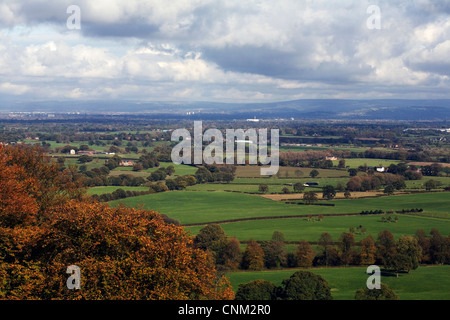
121 30
284 65
439 68
248 59
35 12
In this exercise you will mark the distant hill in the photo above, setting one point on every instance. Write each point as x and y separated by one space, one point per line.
383 109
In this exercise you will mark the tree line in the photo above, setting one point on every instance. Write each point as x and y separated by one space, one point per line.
403 254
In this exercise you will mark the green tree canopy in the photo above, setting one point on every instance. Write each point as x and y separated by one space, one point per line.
212 238
310 196
263 188
384 293
256 290
409 253
314 173
328 192
274 253
304 285
298 187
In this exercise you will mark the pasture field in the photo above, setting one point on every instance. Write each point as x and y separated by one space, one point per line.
251 188
203 207
298 229
351 148
180 170
432 202
54 144
129 171
418 184
289 182
424 283
355 163
284 148
291 172
123 168
110 189
268 181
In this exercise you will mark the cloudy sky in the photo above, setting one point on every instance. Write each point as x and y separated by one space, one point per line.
224 50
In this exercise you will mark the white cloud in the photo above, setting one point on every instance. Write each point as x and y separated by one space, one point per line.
13 89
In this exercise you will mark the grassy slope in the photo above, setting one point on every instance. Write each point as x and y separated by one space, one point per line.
194 207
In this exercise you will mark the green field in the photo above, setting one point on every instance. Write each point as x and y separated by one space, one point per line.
180 170
301 148
424 283
322 181
110 189
129 171
202 207
355 163
275 185
297 229
95 163
418 184
350 148
290 172
252 188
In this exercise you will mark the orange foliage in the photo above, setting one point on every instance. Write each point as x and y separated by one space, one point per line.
47 224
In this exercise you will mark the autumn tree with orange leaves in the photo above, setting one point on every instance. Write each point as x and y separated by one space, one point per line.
48 223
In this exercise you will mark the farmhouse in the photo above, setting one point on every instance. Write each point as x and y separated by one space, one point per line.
126 163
